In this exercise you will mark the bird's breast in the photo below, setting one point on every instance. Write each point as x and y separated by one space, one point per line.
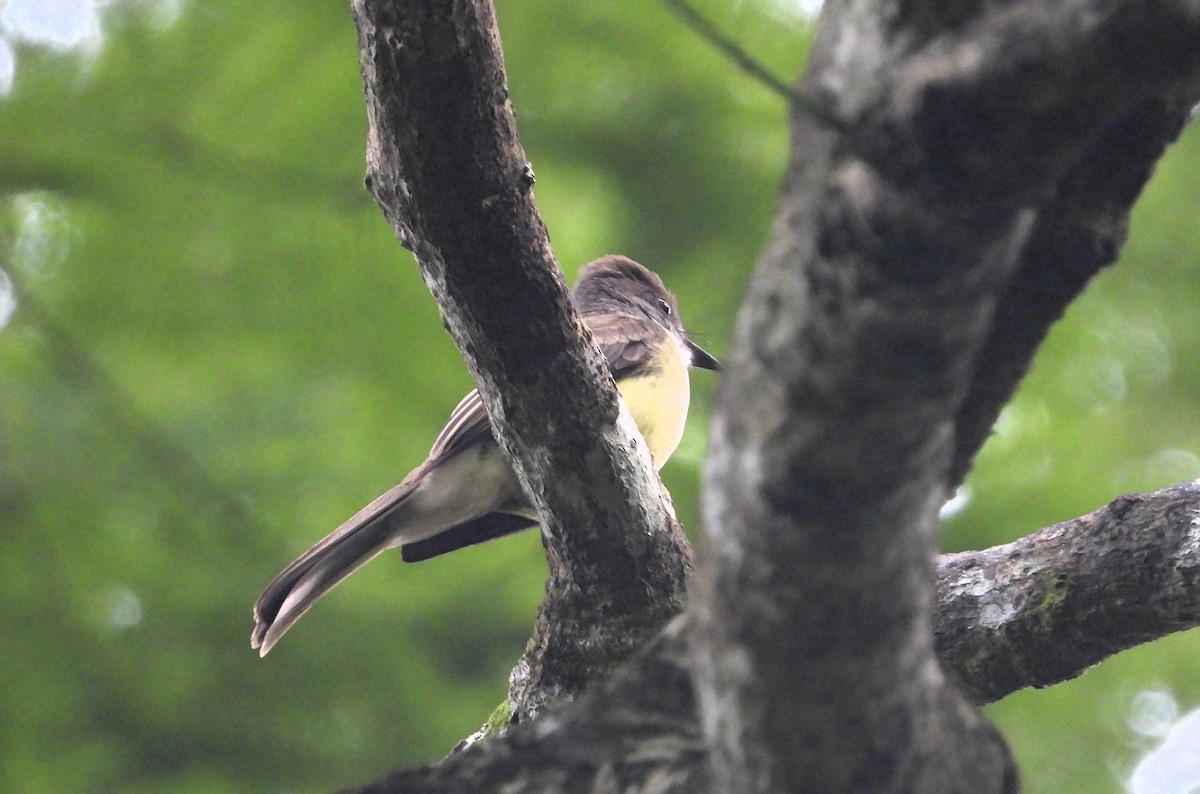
658 397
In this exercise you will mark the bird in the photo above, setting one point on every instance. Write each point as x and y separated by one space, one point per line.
465 492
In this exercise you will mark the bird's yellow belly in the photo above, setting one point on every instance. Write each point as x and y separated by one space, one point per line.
659 403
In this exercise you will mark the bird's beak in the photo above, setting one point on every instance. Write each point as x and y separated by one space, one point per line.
702 358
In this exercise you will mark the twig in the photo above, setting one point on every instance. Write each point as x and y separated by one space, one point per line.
705 29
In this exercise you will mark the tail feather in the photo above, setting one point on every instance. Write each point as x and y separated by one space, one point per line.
352 545
294 591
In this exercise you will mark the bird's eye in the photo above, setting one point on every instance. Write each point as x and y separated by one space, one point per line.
664 307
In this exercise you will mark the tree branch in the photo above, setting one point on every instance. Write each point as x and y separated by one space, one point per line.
1078 232
1045 608
445 164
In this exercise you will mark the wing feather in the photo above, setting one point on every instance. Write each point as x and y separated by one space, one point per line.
467 425
628 343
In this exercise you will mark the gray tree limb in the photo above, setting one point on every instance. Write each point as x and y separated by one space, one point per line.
1078 231
1045 608
445 165
858 344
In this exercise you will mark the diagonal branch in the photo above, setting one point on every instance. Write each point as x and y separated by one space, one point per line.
1078 232
446 166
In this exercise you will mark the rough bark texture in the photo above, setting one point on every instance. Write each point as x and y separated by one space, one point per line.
835 436
1078 231
1047 607
444 163
981 170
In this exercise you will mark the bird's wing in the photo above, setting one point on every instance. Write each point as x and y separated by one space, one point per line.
478 530
627 342
467 425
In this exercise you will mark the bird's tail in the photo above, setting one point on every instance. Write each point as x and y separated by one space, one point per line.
314 573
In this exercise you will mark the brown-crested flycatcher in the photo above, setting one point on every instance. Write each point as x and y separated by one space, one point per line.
465 492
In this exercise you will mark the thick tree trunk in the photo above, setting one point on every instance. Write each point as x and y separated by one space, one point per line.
834 443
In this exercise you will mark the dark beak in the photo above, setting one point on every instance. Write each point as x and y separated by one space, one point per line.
702 358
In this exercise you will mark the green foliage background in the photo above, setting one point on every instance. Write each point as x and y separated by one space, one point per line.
219 352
